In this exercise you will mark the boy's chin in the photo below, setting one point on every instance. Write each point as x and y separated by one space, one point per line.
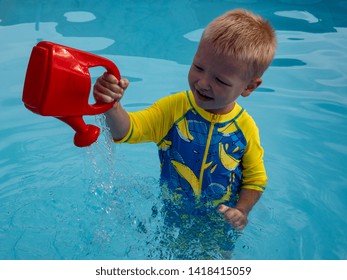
209 109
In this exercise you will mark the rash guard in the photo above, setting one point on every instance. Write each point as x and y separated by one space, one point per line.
205 158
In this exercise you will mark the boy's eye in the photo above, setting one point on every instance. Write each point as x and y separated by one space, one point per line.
198 67
222 82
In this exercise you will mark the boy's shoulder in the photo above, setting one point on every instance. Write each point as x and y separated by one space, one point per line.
174 105
175 95
173 100
246 123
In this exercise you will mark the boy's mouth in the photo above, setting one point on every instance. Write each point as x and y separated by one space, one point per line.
203 96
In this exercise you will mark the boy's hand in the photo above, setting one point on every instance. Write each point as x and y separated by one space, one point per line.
234 216
107 88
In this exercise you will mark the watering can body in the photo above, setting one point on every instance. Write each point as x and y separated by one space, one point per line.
58 84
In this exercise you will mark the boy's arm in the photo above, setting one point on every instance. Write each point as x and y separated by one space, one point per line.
107 89
118 121
253 183
238 216
253 179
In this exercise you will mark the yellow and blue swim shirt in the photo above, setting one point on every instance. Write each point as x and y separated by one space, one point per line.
206 158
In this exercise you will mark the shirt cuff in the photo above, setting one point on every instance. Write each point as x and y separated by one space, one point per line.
254 187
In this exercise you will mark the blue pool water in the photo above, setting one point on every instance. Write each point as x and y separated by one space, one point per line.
62 202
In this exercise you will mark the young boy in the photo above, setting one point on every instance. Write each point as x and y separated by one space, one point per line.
209 147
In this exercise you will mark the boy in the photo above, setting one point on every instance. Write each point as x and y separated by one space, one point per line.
209 147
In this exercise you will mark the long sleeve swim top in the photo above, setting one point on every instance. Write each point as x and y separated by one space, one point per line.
204 157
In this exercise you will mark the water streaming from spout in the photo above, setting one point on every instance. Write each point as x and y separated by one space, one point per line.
103 163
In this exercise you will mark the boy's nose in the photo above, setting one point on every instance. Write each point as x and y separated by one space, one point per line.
204 84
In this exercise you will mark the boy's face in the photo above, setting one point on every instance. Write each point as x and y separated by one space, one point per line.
217 80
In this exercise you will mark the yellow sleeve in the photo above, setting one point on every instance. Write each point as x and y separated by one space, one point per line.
254 174
153 123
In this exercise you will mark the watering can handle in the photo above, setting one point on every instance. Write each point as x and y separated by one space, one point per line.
93 61
88 134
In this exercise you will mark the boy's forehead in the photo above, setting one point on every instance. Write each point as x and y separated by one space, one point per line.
207 53
220 64
207 48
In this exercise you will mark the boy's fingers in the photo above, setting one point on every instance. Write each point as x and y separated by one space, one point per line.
233 216
229 213
108 89
123 83
110 78
222 208
109 81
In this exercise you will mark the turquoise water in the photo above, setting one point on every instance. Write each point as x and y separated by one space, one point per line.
62 202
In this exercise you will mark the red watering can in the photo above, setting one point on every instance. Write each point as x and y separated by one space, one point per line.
57 84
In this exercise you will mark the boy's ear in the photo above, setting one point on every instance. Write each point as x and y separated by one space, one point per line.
253 84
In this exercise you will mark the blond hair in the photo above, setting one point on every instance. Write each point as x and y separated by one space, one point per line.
246 37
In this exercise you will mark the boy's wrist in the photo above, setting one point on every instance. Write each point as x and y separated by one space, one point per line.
114 108
243 210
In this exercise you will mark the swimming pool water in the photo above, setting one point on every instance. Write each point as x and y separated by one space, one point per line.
62 202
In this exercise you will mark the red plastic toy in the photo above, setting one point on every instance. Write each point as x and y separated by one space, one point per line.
58 84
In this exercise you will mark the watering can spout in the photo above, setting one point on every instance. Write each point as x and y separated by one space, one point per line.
58 84
86 134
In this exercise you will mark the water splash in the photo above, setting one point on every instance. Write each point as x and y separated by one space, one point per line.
126 218
120 206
